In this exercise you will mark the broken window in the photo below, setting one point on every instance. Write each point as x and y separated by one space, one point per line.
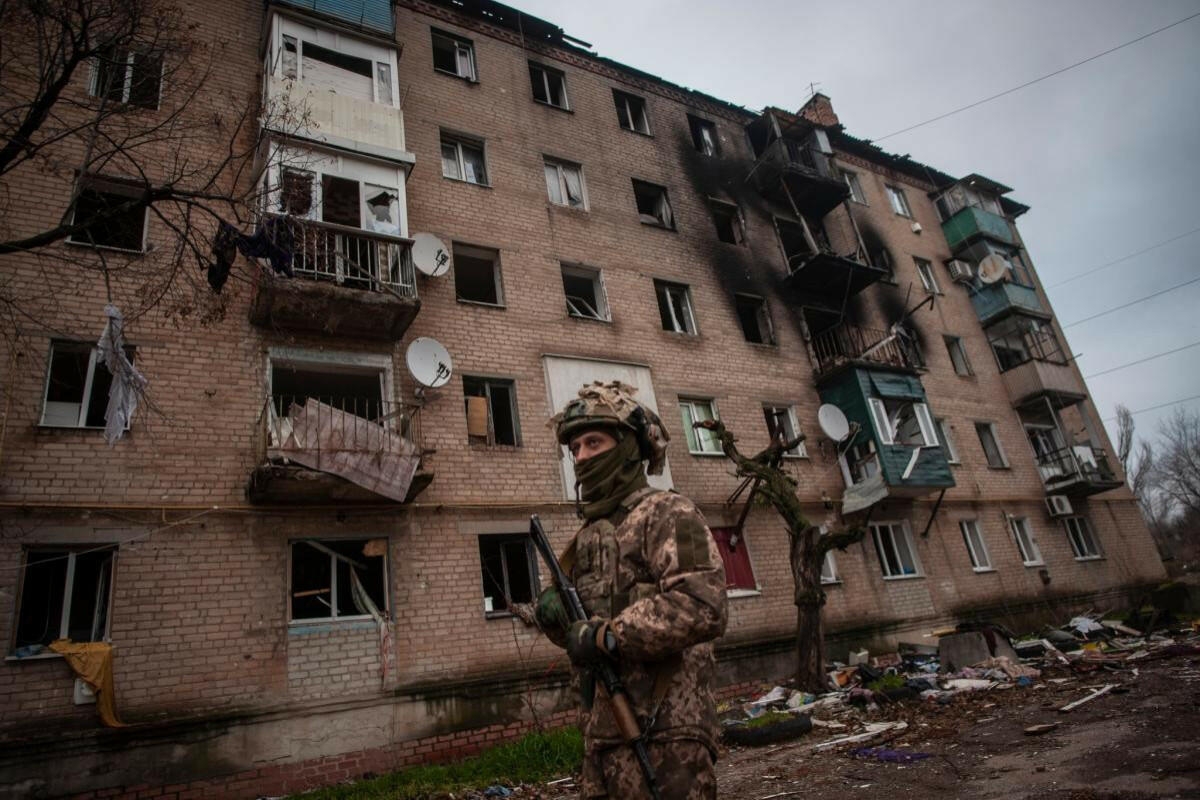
123 75
652 204
349 75
739 573
928 279
700 440
675 307
65 594
549 85
801 240
783 427
755 319
852 183
958 355
296 191
564 183
976 549
77 386
951 451
453 55
491 407
477 275
585 292
1031 556
880 257
991 445
1083 543
860 462
631 112
509 572
383 209
336 579
340 201
894 546
1018 339
829 569
903 422
704 136
898 201
728 221
113 213
462 160
353 389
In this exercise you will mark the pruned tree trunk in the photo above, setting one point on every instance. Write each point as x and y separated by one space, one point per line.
807 547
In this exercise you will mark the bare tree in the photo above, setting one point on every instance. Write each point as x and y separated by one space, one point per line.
1177 464
1124 436
807 546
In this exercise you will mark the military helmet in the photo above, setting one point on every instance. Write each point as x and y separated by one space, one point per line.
612 405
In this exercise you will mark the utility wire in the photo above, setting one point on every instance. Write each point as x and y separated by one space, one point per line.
1131 302
1035 80
1142 360
1155 408
1123 258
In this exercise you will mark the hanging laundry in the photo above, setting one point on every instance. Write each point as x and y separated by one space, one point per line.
273 240
127 382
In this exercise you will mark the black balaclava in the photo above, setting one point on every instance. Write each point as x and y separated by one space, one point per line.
604 480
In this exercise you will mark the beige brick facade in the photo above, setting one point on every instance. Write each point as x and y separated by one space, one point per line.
199 614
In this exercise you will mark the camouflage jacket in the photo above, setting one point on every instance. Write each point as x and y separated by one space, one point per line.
653 569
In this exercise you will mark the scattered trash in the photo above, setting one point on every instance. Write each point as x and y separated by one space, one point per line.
1034 730
872 729
1085 625
1103 690
497 791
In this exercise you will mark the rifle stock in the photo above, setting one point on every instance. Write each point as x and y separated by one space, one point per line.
614 690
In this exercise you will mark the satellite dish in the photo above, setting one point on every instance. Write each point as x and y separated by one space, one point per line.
430 256
833 422
992 268
428 362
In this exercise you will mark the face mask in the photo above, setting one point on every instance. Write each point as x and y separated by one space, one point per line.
604 480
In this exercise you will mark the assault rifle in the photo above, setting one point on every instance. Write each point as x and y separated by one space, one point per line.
606 673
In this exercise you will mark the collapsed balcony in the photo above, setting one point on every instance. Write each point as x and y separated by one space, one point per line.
348 282
795 164
314 450
815 269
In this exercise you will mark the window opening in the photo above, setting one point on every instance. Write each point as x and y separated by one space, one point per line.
509 571
782 426
338 579
893 545
101 205
584 292
928 279
631 112
462 160
675 307
1083 543
65 594
852 183
77 386
976 550
861 462
453 55
704 136
549 85
652 204
898 201
564 183
755 319
903 422
739 573
700 440
958 355
1026 543
728 221
128 76
477 275
990 444
491 408
947 443
829 569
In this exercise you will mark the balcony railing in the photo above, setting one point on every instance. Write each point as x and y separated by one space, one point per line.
352 257
1080 463
844 344
813 184
993 300
972 221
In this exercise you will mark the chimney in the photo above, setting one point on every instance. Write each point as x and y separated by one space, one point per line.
819 110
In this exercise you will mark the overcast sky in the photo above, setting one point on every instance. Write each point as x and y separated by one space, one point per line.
1107 154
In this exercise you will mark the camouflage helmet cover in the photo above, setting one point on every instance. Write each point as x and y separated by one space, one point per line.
611 404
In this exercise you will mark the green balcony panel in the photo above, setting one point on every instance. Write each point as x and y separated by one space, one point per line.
374 15
998 299
971 222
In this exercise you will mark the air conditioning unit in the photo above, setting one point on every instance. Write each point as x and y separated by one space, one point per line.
960 271
1058 505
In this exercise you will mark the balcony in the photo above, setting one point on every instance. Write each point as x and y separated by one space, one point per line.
1039 377
338 450
848 345
790 172
348 282
341 120
971 222
997 300
1079 470
371 15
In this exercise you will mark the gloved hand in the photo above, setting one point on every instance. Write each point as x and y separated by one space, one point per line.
590 642
550 613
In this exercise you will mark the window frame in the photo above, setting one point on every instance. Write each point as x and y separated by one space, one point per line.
927 276
990 427
630 104
898 201
664 197
762 314
130 53
662 293
109 187
488 382
479 253
72 552
953 344
457 42
531 563
334 618
1025 539
603 310
730 550
799 451
560 166
85 402
696 125
458 142
884 567
1082 529
850 178
704 439
980 561
829 561
947 441
737 222
546 73
884 420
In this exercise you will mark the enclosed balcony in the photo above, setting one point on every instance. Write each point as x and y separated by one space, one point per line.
374 16
971 223
995 301
1077 470
324 450
347 282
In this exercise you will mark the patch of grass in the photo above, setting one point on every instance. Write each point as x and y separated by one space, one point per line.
533 758
769 718
887 682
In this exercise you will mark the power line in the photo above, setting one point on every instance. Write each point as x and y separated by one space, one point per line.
1131 303
1124 258
1142 360
1160 405
1035 80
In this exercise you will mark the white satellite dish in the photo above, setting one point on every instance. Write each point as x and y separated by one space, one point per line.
992 268
428 362
430 256
833 422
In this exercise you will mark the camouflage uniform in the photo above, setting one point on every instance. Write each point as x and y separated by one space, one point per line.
652 569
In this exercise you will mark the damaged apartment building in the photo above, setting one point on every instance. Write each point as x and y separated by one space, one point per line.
304 546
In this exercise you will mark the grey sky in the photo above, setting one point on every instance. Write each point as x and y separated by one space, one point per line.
1107 155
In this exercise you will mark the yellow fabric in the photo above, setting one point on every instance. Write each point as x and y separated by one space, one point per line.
92 661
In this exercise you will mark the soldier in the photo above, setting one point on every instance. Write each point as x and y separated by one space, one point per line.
650 576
